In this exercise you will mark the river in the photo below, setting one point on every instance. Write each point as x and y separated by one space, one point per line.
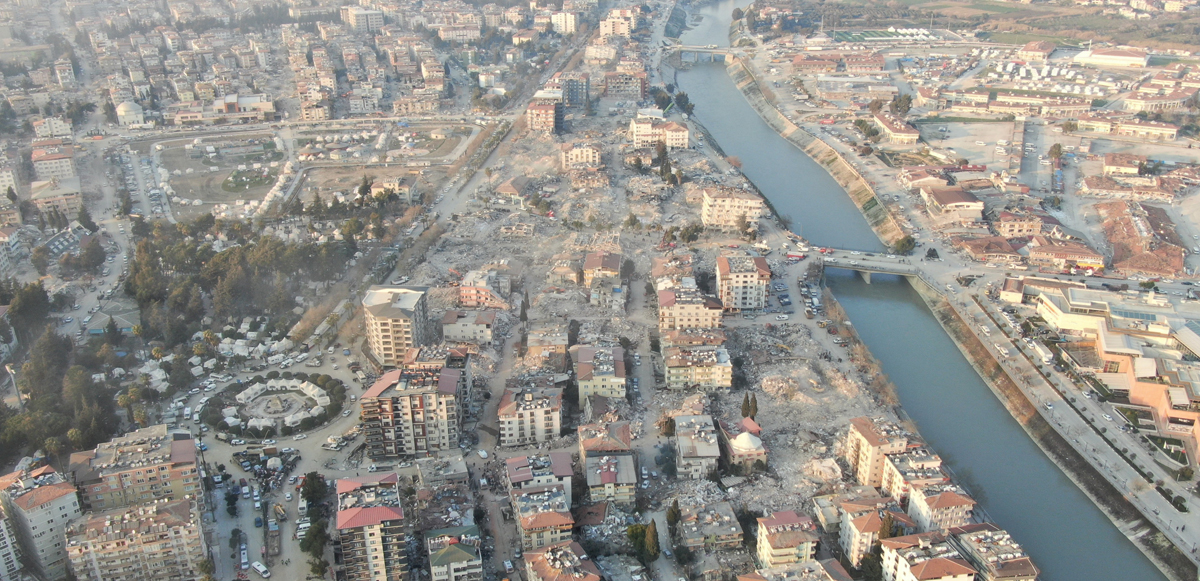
1067 536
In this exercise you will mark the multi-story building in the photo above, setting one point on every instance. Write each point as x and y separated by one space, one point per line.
63 196
742 282
575 86
1061 254
579 154
157 540
38 505
868 442
916 466
564 22
8 179
468 327
993 553
606 439
697 450
730 208
619 84
483 288
709 526
362 20
539 471
784 538
53 160
543 515
560 562
412 413
704 368
530 416
396 321
600 265
939 507
611 478
896 129
144 465
645 132
545 115
923 557
10 550
599 371
1013 225
51 127
370 524
454 554
685 307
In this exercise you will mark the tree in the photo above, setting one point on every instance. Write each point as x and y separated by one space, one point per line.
1070 127
316 539
674 514
887 528
85 219
753 406
737 13
11 194
905 245
668 427
650 547
875 106
746 405
40 258
1056 151
314 490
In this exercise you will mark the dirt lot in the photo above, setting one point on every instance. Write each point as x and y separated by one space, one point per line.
226 184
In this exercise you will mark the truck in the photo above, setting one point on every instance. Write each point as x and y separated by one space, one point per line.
222 436
280 512
276 358
1043 352
274 542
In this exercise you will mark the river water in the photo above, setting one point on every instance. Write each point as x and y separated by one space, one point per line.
1018 487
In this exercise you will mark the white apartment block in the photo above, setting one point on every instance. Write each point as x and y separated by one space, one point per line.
646 133
8 179
362 20
580 155
599 371
468 327
564 22
10 551
370 525
696 446
704 368
54 162
530 416
742 282
924 557
39 504
726 208
396 321
454 554
52 127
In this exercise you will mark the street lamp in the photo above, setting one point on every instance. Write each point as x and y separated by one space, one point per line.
13 378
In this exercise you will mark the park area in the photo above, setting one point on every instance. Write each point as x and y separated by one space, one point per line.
220 171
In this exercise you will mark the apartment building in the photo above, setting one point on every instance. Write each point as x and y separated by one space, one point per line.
484 288
600 265
370 523
1013 225
468 327
561 562
703 368
617 26
145 465
539 471
1046 251
697 450
575 86
785 537
896 130
545 116
396 320
362 20
730 208
742 282
685 307
543 515
51 127
993 553
623 84
868 442
38 504
939 507
579 154
709 526
412 413
530 416
564 23
917 466
63 196
454 554
8 179
612 478
10 550
923 557
861 525
599 371
53 160
546 342
646 132
605 439
158 540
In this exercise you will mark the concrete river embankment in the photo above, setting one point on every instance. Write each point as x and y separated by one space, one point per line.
990 450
